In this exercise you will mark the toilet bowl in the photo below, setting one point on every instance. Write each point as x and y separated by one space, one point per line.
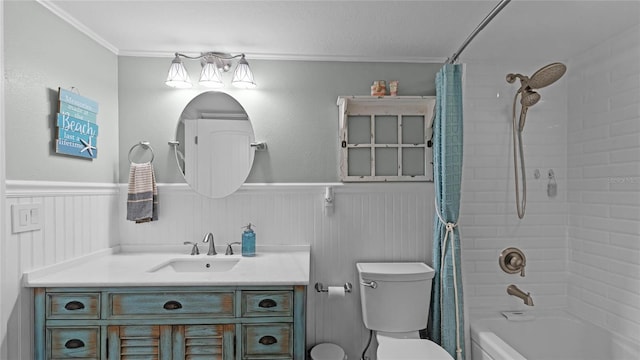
392 348
327 351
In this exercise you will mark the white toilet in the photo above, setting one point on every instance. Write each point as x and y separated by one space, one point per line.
395 304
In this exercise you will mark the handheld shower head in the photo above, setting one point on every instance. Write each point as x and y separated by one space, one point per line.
547 75
529 98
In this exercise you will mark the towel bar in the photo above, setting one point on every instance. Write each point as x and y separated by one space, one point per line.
144 144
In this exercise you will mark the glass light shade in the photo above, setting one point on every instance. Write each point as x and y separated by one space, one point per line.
178 77
210 75
242 76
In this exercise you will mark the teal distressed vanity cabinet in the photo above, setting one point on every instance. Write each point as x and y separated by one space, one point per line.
170 323
137 305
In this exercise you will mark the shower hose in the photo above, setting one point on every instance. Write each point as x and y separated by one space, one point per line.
517 150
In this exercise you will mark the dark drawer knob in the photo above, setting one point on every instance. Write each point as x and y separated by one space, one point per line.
74 344
74 305
172 305
268 340
267 303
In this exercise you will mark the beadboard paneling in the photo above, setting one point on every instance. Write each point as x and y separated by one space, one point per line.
77 219
370 222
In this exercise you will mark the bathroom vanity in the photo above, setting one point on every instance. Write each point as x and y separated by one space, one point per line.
130 306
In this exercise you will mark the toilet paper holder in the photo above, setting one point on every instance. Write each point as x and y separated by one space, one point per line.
320 287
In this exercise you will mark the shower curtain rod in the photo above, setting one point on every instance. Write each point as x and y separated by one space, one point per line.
475 32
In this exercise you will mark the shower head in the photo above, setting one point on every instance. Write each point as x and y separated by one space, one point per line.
541 78
546 75
529 98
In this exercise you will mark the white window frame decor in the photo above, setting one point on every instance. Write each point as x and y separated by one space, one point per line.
398 107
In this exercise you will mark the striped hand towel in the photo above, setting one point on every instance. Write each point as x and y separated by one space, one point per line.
142 198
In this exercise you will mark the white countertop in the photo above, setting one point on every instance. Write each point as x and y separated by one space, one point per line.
272 265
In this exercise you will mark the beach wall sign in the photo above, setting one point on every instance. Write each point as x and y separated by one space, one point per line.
77 133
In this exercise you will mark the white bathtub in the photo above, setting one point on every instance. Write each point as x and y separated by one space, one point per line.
549 336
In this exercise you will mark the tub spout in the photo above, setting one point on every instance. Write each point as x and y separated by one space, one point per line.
515 291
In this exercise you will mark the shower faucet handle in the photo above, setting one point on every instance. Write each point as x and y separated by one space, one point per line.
515 260
512 261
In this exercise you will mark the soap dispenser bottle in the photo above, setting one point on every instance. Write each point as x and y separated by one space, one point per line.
248 241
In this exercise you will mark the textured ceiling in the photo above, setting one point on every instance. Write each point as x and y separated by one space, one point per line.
418 30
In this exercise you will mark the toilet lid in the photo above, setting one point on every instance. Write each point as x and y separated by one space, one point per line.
327 351
399 349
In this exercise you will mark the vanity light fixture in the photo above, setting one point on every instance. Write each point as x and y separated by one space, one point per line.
213 64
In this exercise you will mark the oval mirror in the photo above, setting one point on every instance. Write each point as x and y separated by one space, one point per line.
215 136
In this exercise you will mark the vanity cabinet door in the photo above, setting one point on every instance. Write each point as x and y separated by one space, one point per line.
171 342
139 342
200 342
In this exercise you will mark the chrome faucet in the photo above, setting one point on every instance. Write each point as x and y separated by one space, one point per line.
208 238
515 291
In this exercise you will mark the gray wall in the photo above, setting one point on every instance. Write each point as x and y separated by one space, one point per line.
293 109
42 53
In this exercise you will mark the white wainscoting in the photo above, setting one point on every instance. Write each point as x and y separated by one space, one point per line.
370 222
77 219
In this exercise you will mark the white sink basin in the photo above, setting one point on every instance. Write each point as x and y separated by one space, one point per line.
196 265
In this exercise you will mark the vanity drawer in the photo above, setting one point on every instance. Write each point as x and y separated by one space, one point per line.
74 342
266 303
171 304
73 305
262 340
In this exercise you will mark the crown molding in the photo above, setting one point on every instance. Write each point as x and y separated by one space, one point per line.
299 57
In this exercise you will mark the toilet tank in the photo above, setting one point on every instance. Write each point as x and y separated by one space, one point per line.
399 300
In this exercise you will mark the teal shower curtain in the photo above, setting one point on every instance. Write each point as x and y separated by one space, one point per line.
446 325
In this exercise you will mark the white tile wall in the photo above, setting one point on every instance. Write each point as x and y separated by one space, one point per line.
488 221
604 184
78 219
381 222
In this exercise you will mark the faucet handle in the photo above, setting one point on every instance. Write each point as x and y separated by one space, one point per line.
194 249
230 249
512 261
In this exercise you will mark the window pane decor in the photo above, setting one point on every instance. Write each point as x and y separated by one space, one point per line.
386 138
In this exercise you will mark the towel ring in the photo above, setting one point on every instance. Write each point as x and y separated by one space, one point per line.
144 144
